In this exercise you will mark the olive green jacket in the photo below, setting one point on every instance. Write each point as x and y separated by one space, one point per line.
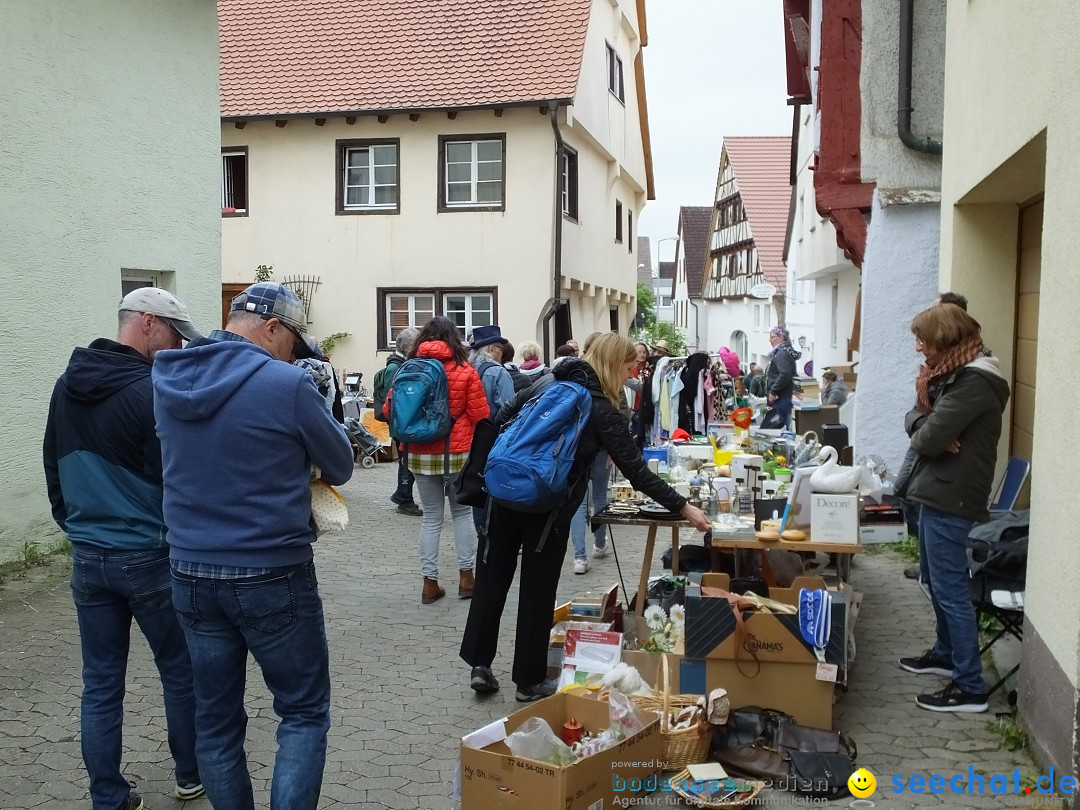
968 408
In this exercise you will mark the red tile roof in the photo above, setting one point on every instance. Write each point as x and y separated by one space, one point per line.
294 57
762 167
694 222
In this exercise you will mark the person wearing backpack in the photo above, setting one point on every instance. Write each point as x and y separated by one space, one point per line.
541 540
384 379
456 402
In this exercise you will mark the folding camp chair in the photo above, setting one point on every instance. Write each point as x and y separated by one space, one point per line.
1008 489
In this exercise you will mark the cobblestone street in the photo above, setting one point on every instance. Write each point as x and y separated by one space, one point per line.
401 699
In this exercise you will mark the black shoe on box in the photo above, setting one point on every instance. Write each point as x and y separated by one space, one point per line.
527 694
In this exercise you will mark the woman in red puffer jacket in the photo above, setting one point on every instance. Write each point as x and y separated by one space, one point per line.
434 469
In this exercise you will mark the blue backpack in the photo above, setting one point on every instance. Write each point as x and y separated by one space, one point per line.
529 466
420 402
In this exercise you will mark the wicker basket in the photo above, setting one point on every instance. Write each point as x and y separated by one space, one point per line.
684 746
745 800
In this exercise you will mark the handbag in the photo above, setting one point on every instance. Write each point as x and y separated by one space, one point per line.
469 488
739 605
766 744
328 510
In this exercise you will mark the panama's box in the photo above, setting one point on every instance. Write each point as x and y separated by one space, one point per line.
712 630
491 777
790 688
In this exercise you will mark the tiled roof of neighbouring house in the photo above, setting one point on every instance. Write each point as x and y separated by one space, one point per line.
694 222
667 270
291 57
762 167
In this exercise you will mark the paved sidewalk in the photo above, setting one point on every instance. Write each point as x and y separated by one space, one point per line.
401 698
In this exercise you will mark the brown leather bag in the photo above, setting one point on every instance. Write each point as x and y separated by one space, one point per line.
739 605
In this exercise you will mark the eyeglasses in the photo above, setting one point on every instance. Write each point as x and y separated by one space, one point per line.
298 342
177 336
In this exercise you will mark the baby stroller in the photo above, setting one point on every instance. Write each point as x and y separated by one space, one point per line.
365 443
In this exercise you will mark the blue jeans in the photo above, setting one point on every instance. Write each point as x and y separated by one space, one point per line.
783 408
599 474
110 588
943 537
278 617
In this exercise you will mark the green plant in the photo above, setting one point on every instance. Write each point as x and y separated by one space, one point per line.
264 272
1011 735
327 343
907 548
32 554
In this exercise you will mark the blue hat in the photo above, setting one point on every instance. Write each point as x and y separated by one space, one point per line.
269 299
486 335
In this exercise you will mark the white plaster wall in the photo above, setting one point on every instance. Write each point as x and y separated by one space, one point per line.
292 225
885 160
900 279
109 159
612 125
1030 90
727 316
824 353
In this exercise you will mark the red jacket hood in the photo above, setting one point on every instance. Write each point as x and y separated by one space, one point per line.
436 349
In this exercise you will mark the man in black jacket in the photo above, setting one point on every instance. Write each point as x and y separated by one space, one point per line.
103 471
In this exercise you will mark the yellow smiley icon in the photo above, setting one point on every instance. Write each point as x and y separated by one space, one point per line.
862 783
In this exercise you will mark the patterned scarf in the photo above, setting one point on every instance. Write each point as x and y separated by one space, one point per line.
942 364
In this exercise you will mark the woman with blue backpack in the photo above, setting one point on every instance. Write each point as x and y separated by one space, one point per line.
541 537
434 404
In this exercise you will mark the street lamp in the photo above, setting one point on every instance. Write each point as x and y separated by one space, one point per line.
656 274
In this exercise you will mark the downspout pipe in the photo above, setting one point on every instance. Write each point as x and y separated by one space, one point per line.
554 303
903 103
697 322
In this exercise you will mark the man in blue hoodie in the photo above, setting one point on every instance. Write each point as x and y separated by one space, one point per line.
240 429
103 471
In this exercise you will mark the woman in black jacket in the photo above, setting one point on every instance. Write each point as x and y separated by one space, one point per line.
604 370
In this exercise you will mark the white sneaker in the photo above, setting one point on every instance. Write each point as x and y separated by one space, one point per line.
599 551
581 565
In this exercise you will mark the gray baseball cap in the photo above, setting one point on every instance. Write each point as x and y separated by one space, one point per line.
163 304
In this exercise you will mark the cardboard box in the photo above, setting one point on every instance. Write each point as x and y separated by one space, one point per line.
790 688
774 637
883 532
491 777
834 518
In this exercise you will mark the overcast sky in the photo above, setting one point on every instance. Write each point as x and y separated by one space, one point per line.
712 68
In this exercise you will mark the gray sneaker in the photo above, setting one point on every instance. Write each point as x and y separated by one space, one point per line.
189 791
527 694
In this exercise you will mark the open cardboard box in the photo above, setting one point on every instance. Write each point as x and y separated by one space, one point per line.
790 688
492 777
711 627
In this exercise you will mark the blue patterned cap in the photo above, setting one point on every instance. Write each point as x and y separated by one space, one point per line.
269 299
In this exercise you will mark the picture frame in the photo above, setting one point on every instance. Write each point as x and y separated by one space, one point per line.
797 512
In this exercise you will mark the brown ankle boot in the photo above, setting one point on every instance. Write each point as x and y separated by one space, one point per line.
432 592
465 584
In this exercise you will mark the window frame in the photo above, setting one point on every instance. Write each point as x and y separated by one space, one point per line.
568 183
341 148
615 81
618 222
440 294
445 207
236 151
630 230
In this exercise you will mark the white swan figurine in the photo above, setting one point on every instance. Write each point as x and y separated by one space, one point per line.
831 478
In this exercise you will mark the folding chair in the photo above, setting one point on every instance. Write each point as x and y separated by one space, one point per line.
999 565
1008 488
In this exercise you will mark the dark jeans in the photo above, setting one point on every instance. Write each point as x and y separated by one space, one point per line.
278 617
508 532
943 538
405 480
783 408
110 588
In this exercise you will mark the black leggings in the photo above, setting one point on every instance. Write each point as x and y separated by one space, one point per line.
496 560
